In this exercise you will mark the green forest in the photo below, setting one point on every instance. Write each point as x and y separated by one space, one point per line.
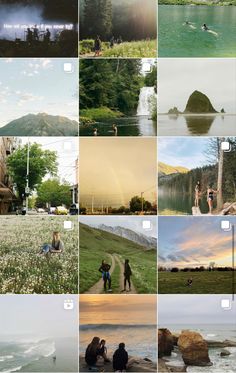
110 88
132 20
184 183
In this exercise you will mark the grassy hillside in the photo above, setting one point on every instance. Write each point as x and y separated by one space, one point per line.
95 245
203 282
167 169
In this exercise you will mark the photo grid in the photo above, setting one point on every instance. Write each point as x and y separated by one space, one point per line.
117 186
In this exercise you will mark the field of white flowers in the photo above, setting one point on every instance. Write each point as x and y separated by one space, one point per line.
22 270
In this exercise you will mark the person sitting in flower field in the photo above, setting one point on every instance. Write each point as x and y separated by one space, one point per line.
56 247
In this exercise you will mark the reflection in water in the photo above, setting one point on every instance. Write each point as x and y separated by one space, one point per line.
199 125
131 126
178 203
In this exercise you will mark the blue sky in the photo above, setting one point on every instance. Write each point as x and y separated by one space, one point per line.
193 241
37 85
186 152
67 154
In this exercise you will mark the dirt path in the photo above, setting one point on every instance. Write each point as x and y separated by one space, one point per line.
133 290
98 287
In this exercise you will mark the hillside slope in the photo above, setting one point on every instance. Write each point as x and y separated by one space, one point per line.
95 245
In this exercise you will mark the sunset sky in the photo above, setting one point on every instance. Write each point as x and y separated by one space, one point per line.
114 170
118 309
193 241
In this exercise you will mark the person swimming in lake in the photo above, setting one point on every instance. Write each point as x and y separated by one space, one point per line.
205 27
127 274
56 247
114 129
210 197
106 276
97 46
197 194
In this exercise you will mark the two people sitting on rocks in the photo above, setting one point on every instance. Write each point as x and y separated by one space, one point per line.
97 349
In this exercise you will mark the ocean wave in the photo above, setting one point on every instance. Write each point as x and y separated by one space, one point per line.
16 369
114 326
6 357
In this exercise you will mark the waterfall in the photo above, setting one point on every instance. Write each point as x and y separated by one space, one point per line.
145 101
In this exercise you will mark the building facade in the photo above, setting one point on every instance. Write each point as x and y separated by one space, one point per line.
7 146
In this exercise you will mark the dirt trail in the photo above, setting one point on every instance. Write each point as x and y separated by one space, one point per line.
98 287
133 290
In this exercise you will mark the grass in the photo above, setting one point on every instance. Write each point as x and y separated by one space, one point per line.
95 244
22 271
98 114
135 49
197 2
203 282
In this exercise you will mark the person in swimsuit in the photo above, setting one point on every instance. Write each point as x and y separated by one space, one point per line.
204 27
210 197
197 194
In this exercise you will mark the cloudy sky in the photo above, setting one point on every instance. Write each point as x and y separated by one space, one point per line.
67 154
179 77
114 170
103 309
193 241
134 223
35 86
37 315
186 152
194 309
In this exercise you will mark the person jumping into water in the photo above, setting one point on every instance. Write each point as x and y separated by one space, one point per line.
210 197
106 276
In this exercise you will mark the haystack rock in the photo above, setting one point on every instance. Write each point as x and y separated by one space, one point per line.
199 103
193 348
165 342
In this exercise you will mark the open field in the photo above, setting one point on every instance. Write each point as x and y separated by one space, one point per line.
134 49
96 245
213 282
22 270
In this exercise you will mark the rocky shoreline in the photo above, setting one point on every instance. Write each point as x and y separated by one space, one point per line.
137 364
193 348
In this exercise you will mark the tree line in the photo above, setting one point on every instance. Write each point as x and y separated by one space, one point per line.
130 20
196 269
221 173
110 83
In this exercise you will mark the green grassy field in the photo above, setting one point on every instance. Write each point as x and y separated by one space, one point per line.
135 49
22 270
95 245
203 282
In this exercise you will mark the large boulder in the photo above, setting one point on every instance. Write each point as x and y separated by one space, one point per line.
193 348
199 103
165 342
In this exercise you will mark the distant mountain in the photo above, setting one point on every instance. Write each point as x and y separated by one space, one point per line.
199 103
165 169
40 125
139 238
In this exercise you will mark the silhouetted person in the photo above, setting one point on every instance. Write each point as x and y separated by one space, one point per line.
120 359
97 46
47 36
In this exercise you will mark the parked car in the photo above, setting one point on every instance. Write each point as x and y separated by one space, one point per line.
61 210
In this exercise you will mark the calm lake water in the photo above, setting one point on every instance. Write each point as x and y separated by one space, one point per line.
128 126
178 40
201 125
178 204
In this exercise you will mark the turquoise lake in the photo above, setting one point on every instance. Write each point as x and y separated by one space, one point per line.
179 40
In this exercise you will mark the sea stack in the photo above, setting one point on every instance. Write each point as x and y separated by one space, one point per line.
193 348
199 103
